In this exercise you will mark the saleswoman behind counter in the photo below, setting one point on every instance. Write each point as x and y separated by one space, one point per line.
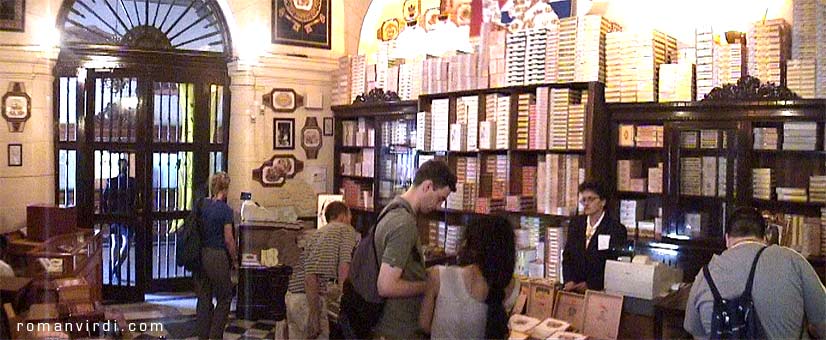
593 238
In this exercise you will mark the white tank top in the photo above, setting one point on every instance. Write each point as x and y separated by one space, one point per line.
457 314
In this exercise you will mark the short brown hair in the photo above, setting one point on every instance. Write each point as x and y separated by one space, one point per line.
335 209
218 182
437 172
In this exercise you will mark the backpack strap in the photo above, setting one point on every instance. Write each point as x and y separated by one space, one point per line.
750 282
387 209
711 285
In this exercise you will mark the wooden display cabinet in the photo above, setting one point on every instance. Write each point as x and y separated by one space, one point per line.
66 260
734 123
261 289
393 161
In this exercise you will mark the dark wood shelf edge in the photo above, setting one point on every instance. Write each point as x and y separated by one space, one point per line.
506 89
501 213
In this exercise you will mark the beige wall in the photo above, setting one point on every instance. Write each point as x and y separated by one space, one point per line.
261 66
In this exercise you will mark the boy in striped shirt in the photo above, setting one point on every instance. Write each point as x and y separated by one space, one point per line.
326 257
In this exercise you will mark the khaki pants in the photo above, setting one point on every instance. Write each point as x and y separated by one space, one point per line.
298 312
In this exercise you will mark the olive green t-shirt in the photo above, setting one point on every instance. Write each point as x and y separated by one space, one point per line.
397 242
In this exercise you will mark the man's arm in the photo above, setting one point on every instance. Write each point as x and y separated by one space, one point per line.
399 242
814 297
343 271
429 301
693 322
314 315
229 241
391 285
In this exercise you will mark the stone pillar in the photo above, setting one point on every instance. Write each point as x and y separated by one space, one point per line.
34 181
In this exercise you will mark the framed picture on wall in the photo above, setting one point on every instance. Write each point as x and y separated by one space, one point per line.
15 155
12 15
302 23
283 133
328 126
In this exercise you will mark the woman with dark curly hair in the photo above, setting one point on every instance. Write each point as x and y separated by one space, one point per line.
467 301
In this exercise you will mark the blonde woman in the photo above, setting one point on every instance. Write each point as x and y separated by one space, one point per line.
218 256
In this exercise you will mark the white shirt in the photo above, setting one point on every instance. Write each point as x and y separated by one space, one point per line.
590 229
6 270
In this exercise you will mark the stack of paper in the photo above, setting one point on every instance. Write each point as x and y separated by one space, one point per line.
497 67
631 211
341 82
722 165
439 109
628 169
554 244
690 176
768 49
676 83
633 61
576 120
649 136
434 235
709 176
523 107
532 225
823 230
455 235
731 61
791 194
516 58
537 45
817 189
655 179
502 118
765 138
808 34
358 79
708 139
567 49
558 123
470 105
801 77
706 73
552 54
540 125
762 183
799 135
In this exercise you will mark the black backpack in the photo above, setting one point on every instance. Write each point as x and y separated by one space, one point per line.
735 318
188 240
361 304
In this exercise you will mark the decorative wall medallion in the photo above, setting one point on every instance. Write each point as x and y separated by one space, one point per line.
389 30
430 19
276 171
283 100
16 107
302 23
311 137
411 9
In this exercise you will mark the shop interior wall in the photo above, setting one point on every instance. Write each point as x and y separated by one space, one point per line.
258 67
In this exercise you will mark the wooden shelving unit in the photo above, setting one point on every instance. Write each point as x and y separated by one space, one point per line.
735 120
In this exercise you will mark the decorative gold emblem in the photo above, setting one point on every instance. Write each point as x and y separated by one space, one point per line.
303 14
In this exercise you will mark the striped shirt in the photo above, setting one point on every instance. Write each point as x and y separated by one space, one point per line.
323 252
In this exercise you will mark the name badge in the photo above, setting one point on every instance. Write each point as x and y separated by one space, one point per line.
603 242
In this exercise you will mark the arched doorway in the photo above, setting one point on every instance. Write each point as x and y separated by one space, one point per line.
142 116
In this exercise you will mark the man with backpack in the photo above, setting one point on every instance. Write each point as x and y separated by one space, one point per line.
383 294
769 291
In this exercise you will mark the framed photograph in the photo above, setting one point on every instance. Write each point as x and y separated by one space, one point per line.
328 126
13 15
302 23
603 312
570 307
277 170
15 155
283 133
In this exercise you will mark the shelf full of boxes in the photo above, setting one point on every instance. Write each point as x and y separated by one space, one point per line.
511 114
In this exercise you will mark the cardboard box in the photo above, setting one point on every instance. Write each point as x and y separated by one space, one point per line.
644 281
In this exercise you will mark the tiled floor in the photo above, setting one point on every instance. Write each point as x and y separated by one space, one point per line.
179 309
